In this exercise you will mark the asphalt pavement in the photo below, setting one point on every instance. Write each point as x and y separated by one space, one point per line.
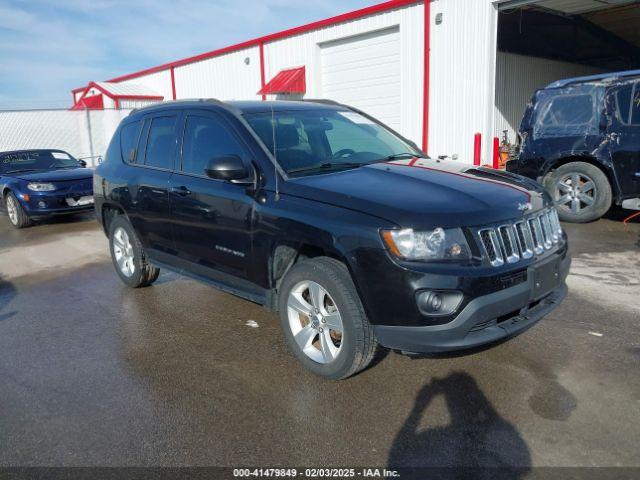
95 374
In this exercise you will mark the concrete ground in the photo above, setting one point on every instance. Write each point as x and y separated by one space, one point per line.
92 373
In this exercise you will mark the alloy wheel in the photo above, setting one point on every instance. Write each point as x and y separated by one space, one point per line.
575 192
315 322
123 252
12 210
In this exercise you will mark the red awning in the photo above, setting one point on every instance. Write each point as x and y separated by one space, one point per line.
93 102
291 80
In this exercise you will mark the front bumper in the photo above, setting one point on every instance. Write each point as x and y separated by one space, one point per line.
485 319
44 204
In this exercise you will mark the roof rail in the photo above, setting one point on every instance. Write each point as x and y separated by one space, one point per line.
593 78
188 100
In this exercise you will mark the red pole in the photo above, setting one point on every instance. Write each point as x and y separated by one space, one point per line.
477 148
496 152
427 70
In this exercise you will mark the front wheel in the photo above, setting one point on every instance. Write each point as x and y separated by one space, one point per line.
581 192
323 319
128 256
17 215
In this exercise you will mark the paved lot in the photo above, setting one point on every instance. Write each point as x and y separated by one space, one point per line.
92 373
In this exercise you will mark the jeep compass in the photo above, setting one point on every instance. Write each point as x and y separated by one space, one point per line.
339 224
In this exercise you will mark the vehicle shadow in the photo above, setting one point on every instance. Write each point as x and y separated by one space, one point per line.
7 293
477 439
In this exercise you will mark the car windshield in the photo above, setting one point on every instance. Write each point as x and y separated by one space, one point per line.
316 141
36 160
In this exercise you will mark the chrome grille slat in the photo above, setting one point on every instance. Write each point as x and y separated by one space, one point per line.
521 240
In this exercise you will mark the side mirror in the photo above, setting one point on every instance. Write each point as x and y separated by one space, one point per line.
82 163
227 167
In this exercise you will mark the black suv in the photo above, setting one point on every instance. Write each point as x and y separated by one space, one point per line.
321 213
581 138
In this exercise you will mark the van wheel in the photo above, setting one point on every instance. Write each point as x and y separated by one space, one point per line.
17 215
323 319
128 256
581 192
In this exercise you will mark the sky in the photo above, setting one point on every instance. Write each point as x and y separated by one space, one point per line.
48 48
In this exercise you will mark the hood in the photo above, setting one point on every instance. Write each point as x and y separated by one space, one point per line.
60 175
424 193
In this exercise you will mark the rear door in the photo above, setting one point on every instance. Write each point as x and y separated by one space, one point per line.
149 182
211 219
624 134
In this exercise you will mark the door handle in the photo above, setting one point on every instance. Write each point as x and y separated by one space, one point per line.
182 191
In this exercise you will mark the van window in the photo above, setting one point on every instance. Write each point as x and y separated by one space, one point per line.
129 136
204 139
571 112
623 98
161 143
635 105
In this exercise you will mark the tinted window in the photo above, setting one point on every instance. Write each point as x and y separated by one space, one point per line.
624 102
161 142
205 138
129 136
635 105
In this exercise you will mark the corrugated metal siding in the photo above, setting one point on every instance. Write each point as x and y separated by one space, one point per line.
131 104
304 49
518 77
462 76
226 77
159 82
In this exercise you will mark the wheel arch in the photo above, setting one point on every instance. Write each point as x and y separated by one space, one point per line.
108 212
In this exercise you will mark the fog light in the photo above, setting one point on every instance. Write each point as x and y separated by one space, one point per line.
435 303
42 204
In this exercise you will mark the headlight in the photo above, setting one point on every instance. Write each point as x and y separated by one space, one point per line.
437 244
41 187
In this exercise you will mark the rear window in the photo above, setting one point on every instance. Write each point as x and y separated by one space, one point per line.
573 111
129 136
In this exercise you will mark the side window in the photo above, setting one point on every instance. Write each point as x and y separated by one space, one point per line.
129 136
623 98
635 105
206 138
161 142
569 110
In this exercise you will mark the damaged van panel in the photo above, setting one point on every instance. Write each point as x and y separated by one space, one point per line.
581 139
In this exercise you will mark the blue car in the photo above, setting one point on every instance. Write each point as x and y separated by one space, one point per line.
40 183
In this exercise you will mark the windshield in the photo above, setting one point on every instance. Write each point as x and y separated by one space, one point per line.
312 141
36 160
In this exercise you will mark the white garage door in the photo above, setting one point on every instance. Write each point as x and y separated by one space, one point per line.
364 71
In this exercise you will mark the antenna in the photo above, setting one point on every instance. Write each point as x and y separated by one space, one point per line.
275 159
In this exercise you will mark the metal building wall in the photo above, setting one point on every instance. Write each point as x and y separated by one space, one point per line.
518 77
304 49
159 82
461 85
226 77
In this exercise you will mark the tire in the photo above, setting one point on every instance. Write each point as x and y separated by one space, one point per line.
352 349
128 255
589 202
15 212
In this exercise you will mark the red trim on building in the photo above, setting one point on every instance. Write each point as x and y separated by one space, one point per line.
262 74
345 17
173 83
116 98
427 73
291 80
92 102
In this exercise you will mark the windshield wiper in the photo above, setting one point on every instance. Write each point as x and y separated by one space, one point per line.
326 166
397 156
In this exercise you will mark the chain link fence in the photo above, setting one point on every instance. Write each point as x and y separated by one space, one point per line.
85 134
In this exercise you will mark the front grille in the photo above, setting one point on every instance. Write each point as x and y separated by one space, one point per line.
513 242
